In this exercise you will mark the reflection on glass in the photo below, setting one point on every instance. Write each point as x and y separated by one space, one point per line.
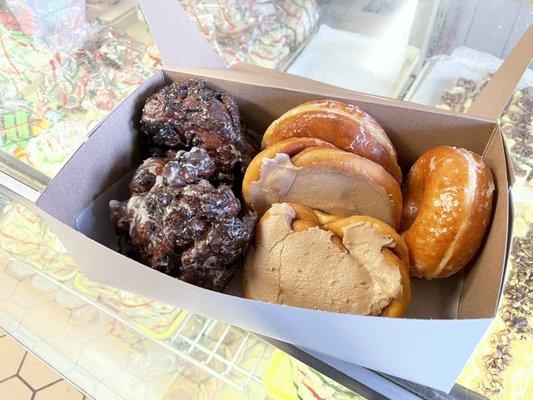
365 46
64 66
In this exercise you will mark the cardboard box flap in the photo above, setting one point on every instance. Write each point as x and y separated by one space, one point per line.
300 82
277 79
290 78
274 78
491 102
177 37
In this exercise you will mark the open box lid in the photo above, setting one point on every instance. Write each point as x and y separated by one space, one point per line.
182 45
292 36
178 38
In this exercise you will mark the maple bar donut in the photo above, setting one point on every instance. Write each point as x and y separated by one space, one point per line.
448 203
315 173
304 258
344 125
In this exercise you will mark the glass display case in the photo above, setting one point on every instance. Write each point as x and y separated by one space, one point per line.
66 64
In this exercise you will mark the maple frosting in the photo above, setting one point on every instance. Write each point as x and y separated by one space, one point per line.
320 187
305 269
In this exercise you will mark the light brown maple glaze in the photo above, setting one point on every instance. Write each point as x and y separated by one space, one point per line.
352 164
344 125
447 209
396 254
310 154
290 146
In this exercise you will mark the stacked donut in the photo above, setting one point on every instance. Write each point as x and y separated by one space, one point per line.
328 187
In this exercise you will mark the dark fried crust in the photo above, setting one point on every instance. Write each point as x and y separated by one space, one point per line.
189 113
178 223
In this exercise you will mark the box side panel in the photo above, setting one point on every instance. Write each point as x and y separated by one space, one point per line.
276 76
367 341
110 152
436 298
412 130
482 283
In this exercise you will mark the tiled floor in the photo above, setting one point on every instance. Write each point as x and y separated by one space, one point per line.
24 377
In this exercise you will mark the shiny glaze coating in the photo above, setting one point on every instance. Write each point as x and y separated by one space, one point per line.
447 209
344 125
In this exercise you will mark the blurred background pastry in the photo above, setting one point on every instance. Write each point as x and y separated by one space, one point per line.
264 33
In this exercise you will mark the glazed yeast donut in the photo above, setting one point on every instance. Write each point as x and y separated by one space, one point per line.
315 173
304 258
448 202
344 125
